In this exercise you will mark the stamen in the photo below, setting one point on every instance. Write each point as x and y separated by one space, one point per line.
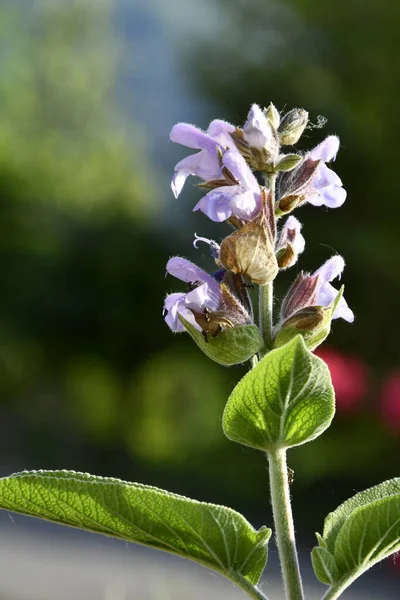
201 239
214 247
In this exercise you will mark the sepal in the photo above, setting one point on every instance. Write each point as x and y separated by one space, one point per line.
292 126
287 162
289 203
312 322
250 250
273 115
296 181
230 346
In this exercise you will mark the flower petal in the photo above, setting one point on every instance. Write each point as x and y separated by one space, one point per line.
291 233
199 298
174 305
324 176
220 130
191 136
172 299
178 181
331 269
333 196
203 164
245 204
326 150
236 164
187 271
257 129
343 311
217 204
326 293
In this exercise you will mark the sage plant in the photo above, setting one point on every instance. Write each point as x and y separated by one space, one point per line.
285 399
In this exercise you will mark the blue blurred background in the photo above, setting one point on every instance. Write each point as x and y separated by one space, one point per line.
91 379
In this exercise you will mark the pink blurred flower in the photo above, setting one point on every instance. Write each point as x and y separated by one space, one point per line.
390 401
349 377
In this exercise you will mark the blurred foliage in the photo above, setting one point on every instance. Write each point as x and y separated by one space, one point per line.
90 377
61 137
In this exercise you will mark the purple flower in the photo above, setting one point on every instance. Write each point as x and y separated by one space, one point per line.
241 200
290 233
316 290
326 293
206 163
325 187
206 294
257 129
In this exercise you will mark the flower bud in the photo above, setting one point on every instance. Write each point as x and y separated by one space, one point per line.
292 126
287 162
250 250
313 323
272 115
258 130
289 203
286 257
290 244
301 294
297 180
260 135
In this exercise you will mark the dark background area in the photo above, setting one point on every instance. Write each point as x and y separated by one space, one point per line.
91 378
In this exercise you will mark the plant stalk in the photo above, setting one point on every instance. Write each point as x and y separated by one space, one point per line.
338 588
251 590
266 293
284 529
266 297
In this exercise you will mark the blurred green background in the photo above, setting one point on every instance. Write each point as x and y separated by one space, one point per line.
90 376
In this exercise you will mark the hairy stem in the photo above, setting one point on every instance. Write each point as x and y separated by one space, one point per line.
266 297
284 529
266 293
338 588
251 590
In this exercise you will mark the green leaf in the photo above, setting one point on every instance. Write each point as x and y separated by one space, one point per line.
285 401
324 565
371 534
321 540
212 535
336 519
359 533
230 347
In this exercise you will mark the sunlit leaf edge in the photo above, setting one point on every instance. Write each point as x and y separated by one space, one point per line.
262 535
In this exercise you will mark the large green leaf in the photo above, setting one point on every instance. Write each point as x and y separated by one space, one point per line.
212 535
336 519
286 400
230 347
361 532
371 534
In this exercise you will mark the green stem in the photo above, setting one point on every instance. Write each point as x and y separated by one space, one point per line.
265 309
251 590
338 588
284 529
266 293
